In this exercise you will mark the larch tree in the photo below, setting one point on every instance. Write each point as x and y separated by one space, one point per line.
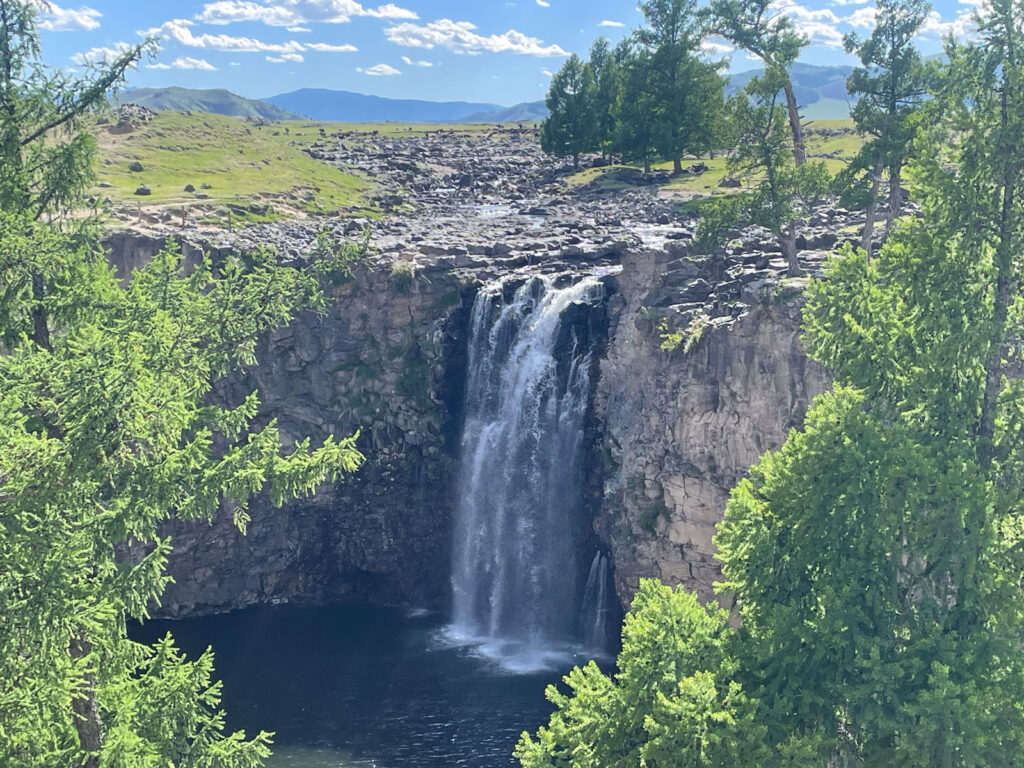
784 193
636 105
891 87
605 71
686 90
875 561
761 30
107 430
672 702
877 558
570 128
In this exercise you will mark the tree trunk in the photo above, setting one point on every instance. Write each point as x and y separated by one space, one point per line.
40 321
799 152
895 196
576 162
788 242
872 212
677 166
86 710
1004 291
647 165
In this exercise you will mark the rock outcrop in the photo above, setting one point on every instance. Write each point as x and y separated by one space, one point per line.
379 362
681 428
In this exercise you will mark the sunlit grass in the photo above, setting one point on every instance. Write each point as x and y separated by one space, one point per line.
240 162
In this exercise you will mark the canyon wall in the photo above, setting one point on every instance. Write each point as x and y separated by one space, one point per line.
379 362
671 431
681 428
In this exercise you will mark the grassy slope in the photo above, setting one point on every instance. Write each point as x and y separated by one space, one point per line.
707 182
240 163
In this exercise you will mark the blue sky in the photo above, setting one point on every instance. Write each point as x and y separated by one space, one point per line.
472 50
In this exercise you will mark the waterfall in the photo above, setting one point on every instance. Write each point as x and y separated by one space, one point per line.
595 603
514 575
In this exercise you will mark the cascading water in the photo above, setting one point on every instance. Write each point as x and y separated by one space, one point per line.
595 603
514 576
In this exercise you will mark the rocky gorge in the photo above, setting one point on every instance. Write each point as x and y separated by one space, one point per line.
669 431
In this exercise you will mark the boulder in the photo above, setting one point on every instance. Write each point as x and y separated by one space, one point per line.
729 182
143 190
135 166
190 188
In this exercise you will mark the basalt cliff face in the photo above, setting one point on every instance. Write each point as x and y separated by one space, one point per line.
669 432
379 362
682 428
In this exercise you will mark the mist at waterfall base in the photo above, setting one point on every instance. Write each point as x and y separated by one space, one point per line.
518 591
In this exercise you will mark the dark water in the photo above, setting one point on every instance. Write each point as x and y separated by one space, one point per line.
356 686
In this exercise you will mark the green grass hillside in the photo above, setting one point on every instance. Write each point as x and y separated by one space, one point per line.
835 141
239 163
217 100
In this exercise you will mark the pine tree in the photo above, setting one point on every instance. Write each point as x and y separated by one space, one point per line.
106 431
570 128
891 86
755 27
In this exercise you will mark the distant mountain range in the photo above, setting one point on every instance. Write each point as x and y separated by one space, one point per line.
528 112
821 92
345 106
218 101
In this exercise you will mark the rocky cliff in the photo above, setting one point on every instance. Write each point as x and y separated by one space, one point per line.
682 427
379 362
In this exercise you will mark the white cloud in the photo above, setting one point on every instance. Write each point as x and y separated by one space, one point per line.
390 11
296 30
862 18
57 19
850 2
100 55
294 57
962 26
379 70
329 48
460 37
180 31
290 13
716 47
185 62
607 23
819 25
547 73
543 4
409 62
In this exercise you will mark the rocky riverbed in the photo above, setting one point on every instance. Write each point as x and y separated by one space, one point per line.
490 202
